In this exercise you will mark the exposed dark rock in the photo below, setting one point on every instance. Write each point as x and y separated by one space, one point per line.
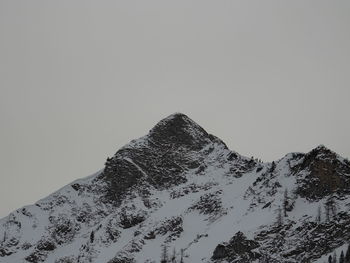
150 235
130 220
326 174
62 229
76 187
180 131
160 160
220 252
266 205
111 232
37 256
5 252
67 259
46 245
121 260
307 242
238 249
26 245
209 204
172 227
192 188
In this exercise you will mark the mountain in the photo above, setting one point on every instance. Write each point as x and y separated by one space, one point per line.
179 192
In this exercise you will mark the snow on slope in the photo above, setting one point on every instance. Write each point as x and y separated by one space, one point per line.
181 187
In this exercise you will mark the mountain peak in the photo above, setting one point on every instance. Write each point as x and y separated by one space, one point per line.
180 130
180 187
176 115
176 120
321 147
322 151
326 173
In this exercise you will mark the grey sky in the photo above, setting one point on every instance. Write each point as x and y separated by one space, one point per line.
79 79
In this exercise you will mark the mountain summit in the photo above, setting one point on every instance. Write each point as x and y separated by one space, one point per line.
178 129
179 194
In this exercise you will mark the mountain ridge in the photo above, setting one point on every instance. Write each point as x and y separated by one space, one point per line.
182 187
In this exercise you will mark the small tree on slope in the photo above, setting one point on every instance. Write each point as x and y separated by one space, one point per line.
182 256
334 258
347 255
173 257
318 217
279 217
164 257
285 202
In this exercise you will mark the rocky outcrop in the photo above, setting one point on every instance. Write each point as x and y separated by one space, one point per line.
171 148
238 249
323 172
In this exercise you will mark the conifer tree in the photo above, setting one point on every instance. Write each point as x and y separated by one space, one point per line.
330 259
342 258
273 167
182 256
173 257
333 206
318 217
279 217
330 208
164 257
92 237
327 212
5 237
347 255
334 258
285 202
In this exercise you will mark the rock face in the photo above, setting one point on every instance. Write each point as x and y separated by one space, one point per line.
238 249
179 131
182 188
159 159
327 174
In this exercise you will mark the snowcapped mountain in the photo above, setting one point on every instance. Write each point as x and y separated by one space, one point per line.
180 193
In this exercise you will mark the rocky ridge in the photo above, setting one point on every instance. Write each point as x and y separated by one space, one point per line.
182 188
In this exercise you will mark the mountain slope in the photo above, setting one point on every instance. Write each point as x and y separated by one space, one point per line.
182 187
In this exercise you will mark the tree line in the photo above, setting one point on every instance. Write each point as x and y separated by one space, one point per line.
166 258
343 258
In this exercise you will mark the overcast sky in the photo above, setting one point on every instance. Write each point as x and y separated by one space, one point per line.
79 79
